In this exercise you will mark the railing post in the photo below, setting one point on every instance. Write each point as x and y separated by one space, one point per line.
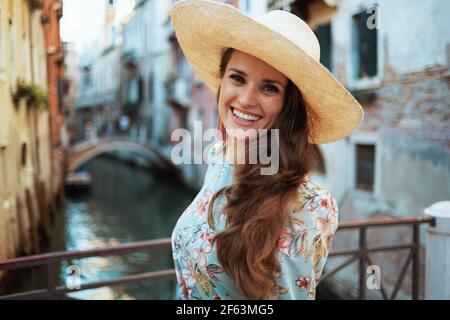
438 253
416 262
362 260
51 284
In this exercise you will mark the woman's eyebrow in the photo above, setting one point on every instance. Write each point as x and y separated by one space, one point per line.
264 80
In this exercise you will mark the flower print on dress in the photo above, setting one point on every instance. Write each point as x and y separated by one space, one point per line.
187 280
177 246
325 203
303 283
325 229
214 269
293 237
202 204
308 193
206 272
208 236
285 242
201 256
184 289
191 233
205 284
278 290
301 232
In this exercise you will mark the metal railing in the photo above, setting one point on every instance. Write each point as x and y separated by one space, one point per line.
360 254
52 260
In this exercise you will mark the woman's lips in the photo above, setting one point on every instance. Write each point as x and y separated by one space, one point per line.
242 122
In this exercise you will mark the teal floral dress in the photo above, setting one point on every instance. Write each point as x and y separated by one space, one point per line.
303 244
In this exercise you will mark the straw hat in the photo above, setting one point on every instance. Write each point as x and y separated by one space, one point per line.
204 28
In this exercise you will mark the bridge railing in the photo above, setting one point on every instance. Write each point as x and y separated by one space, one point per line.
361 253
51 261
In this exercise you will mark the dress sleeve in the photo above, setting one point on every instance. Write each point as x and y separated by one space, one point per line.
305 243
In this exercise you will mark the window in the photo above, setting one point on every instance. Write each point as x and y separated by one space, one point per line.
4 168
323 34
365 45
151 86
23 154
26 57
365 167
132 94
12 52
87 78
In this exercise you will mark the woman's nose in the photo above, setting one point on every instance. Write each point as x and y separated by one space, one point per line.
248 97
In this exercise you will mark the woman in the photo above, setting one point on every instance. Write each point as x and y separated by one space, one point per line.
247 235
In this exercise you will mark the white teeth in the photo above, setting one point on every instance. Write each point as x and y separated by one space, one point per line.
245 116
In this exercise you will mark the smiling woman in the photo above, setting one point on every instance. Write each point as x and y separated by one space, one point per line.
248 235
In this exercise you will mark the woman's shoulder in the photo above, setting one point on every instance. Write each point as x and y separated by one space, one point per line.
314 216
314 200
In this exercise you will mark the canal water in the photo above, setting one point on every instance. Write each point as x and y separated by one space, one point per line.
126 204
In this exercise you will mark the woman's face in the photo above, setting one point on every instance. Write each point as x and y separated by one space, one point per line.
251 94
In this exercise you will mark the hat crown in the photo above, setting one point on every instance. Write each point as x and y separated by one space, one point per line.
294 29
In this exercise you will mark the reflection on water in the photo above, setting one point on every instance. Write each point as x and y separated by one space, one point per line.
126 204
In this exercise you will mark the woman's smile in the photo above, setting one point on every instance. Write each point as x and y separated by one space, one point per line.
243 118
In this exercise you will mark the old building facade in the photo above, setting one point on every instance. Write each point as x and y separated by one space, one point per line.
27 108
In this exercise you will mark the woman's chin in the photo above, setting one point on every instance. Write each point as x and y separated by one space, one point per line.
242 133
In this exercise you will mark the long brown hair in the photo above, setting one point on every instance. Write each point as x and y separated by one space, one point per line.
258 205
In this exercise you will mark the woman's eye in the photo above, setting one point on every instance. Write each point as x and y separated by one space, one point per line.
270 89
237 78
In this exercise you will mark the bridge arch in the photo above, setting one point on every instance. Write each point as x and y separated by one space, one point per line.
86 151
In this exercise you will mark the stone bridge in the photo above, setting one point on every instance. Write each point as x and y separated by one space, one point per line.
81 153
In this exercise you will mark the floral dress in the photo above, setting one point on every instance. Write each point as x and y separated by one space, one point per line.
303 244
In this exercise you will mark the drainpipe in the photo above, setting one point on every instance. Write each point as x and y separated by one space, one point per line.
437 272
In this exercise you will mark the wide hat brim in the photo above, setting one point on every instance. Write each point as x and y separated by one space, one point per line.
204 28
